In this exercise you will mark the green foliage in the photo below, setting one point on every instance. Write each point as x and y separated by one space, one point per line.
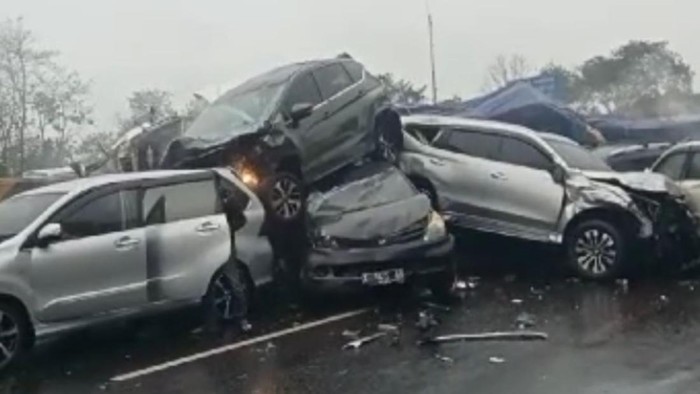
402 91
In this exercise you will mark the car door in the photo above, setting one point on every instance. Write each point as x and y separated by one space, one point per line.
460 172
99 263
340 135
525 196
307 132
187 236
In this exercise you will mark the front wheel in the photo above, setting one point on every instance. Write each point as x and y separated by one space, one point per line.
15 334
596 250
285 197
227 297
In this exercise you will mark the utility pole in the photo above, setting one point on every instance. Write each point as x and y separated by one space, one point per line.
432 53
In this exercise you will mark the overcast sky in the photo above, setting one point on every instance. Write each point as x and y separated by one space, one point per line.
186 45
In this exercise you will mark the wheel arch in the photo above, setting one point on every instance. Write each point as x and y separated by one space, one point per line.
622 219
17 302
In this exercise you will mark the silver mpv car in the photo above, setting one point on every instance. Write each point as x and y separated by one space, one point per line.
85 251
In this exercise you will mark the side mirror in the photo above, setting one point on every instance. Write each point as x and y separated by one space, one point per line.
300 111
49 233
558 174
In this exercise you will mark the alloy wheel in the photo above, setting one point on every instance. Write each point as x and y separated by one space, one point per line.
9 338
226 304
595 251
386 149
286 199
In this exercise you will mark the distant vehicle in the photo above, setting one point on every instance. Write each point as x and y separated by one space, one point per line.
375 229
290 127
90 250
633 157
510 180
680 163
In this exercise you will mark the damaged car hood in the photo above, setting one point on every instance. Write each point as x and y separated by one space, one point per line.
637 181
375 222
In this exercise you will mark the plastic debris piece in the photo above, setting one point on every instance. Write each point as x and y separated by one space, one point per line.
489 336
525 320
426 320
439 307
445 359
663 298
351 334
497 360
460 285
388 327
516 301
356 344
245 325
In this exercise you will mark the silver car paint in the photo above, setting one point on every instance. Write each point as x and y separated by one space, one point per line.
77 292
527 204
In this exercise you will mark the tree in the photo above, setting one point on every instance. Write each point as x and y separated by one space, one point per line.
402 91
506 69
150 105
630 78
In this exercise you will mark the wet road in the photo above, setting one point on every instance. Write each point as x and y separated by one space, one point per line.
638 337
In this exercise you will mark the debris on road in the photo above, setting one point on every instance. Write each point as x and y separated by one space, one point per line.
664 299
426 320
525 320
688 284
497 360
351 334
516 301
356 344
623 284
439 307
388 327
444 359
245 325
488 336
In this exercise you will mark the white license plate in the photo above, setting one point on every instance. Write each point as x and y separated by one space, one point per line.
381 278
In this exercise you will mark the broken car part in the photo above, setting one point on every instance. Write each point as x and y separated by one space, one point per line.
488 336
356 344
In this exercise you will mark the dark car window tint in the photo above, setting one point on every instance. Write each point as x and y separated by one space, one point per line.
521 153
672 166
302 91
180 202
470 143
100 216
332 79
694 169
355 70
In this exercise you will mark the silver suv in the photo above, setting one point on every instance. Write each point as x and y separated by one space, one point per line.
507 179
85 251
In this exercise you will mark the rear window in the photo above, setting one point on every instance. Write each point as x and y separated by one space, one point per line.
332 79
470 143
171 203
355 70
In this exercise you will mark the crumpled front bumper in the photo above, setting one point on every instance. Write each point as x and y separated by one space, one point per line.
332 269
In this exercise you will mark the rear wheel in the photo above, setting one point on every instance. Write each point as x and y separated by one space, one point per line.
227 297
285 197
15 334
596 249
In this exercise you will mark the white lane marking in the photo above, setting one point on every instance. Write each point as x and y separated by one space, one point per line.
233 346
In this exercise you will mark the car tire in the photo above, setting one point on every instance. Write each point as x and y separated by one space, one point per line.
228 295
16 334
596 250
285 197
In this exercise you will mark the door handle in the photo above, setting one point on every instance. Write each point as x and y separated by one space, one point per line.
207 227
125 242
499 175
437 162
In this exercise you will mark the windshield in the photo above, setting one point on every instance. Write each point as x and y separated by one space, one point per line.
380 189
236 112
18 212
577 157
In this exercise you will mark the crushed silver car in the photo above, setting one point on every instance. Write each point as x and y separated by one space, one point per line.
510 180
90 250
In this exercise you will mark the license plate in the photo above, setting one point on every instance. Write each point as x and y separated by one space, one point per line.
381 278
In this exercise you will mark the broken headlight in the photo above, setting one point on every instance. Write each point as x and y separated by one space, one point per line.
246 173
436 228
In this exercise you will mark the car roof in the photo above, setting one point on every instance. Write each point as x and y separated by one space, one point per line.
81 184
480 124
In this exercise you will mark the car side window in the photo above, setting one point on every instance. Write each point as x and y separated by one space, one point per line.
515 151
103 215
355 70
182 201
332 79
303 90
471 143
694 169
672 166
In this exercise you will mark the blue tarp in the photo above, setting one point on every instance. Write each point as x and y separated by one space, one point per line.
517 103
668 129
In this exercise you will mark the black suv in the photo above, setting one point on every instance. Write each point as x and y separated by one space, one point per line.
291 126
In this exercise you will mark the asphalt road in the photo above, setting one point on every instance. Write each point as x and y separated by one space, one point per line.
639 336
